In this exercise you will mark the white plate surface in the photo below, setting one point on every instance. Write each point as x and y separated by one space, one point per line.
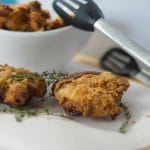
45 133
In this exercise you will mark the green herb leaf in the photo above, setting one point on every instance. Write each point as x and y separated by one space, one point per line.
127 114
53 77
21 77
26 112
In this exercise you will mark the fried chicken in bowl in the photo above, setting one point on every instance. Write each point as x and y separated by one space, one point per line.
28 42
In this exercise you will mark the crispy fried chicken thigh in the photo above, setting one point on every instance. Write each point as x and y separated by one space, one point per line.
91 94
18 86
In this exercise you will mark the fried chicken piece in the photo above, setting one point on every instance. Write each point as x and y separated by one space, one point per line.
18 86
18 19
57 23
38 17
24 17
4 13
38 20
34 6
91 94
27 18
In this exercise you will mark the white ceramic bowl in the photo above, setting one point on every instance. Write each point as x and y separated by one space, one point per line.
38 51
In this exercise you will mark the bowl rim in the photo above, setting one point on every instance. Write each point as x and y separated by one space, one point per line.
40 33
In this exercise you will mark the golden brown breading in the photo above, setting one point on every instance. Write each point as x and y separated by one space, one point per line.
18 86
18 19
34 6
27 17
4 13
38 21
91 94
57 23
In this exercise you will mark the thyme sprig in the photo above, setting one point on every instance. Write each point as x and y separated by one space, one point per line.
53 77
127 114
48 77
23 112
21 77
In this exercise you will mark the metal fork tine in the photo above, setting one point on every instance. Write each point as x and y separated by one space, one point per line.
116 62
80 2
110 66
121 57
64 7
73 3
68 5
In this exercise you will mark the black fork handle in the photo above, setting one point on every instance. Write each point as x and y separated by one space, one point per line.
123 41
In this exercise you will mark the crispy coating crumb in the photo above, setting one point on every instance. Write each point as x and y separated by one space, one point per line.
38 21
91 94
27 18
18 19
18 86
57 23
4 13
34 6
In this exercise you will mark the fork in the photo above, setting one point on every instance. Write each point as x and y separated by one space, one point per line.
119 62
86 15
